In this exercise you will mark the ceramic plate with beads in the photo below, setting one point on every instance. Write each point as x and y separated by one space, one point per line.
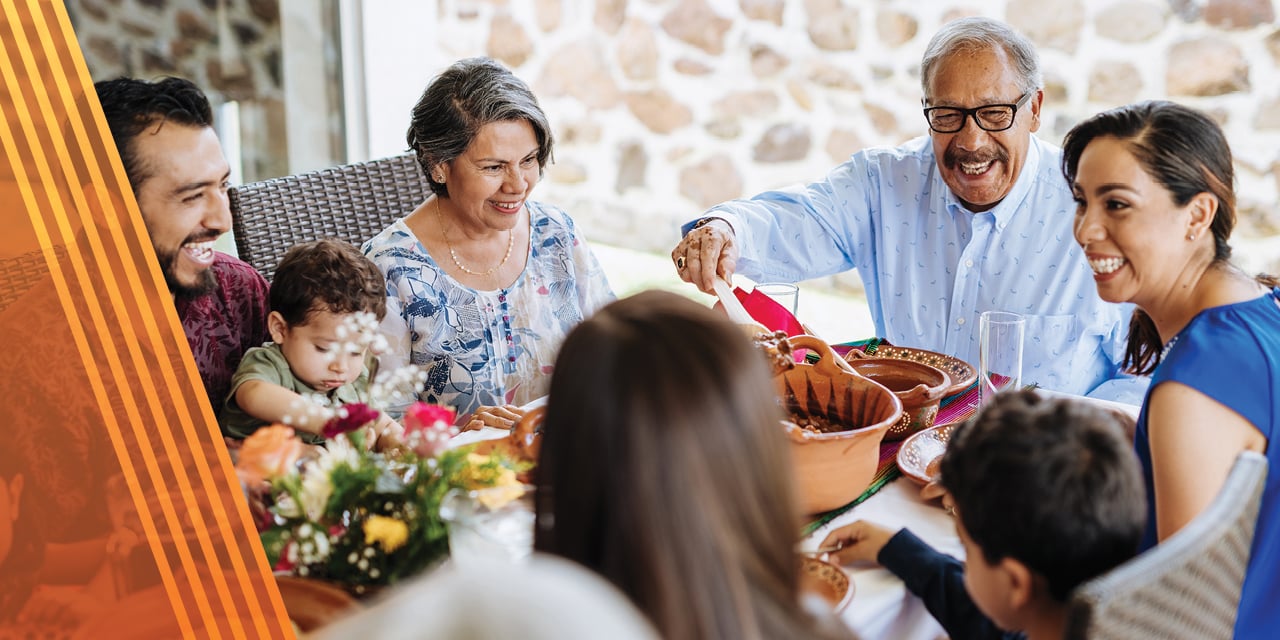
920 455
827 581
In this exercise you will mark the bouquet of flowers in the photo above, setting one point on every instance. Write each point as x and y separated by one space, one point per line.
357 517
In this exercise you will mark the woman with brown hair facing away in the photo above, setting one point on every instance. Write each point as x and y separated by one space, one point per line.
663 467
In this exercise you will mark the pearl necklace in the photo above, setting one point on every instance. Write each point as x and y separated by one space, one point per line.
511 242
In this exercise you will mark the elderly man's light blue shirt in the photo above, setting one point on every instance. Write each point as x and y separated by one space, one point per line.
930 266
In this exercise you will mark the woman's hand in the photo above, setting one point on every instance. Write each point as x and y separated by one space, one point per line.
860 541
504 417
706 253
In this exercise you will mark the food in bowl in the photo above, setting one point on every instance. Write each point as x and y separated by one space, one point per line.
776 348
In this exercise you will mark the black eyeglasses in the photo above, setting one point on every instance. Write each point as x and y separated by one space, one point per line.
990 117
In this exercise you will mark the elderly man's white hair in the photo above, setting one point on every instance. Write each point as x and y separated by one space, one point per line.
544 599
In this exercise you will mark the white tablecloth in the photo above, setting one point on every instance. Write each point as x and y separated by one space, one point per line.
882 607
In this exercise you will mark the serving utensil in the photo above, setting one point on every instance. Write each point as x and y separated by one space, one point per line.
732 305
822 551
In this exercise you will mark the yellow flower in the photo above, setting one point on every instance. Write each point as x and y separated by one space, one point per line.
479 472
389 532
503 491
494 484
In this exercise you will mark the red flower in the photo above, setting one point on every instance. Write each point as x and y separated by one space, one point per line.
349 418
428 428
421 416
282 563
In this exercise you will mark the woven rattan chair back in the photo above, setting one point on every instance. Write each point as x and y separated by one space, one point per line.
1187 586
351 202
20 273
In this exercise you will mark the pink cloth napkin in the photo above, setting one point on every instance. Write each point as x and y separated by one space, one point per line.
768 312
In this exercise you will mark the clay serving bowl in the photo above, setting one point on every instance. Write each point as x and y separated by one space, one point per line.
836 466
962 373
919 386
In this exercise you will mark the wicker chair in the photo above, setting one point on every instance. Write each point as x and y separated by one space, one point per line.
19 273
351 202
1187 586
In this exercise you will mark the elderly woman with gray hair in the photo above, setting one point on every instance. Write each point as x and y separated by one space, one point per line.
483 284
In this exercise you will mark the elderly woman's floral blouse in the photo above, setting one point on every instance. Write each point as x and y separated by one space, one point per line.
487 348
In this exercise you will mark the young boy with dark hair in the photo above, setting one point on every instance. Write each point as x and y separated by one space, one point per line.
319 345
1046 493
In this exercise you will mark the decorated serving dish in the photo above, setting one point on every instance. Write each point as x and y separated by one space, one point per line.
837 422
962 373
921 454
827 581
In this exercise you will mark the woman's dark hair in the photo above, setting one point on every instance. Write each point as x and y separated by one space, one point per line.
1049 482
1186 153
468 95
326 275
132 106
664 469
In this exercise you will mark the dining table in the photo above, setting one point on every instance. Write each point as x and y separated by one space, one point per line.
881 607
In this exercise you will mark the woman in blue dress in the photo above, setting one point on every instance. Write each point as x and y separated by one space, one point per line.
482 283
1155 209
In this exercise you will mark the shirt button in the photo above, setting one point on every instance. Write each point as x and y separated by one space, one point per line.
968 263
959 320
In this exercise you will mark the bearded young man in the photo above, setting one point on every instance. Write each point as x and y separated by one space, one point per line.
974 217
164 133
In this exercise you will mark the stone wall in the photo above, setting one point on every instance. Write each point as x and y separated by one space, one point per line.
665 107
232 52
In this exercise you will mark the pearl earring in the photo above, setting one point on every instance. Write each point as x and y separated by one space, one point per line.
1191 236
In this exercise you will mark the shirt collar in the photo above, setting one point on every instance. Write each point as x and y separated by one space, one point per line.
1021 187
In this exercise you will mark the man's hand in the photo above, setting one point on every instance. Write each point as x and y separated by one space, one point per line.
706 253
860 541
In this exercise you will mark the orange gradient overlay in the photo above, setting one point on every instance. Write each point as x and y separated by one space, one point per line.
120 514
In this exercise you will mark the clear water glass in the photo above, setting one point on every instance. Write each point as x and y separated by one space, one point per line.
1000 339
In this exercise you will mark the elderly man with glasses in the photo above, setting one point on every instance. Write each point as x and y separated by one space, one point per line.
975 217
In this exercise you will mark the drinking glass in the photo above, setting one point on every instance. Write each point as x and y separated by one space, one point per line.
1000 336
489 525
784 293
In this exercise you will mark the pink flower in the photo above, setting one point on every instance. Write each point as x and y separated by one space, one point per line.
269 453
428 428
421 415
350 417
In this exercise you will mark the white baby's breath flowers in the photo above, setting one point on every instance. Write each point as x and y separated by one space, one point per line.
311 545
311 409
358 332
398 387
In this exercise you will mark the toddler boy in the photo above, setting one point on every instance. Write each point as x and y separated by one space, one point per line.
319 345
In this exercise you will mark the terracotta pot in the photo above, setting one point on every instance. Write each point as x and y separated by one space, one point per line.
311 604
919 386
834 468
